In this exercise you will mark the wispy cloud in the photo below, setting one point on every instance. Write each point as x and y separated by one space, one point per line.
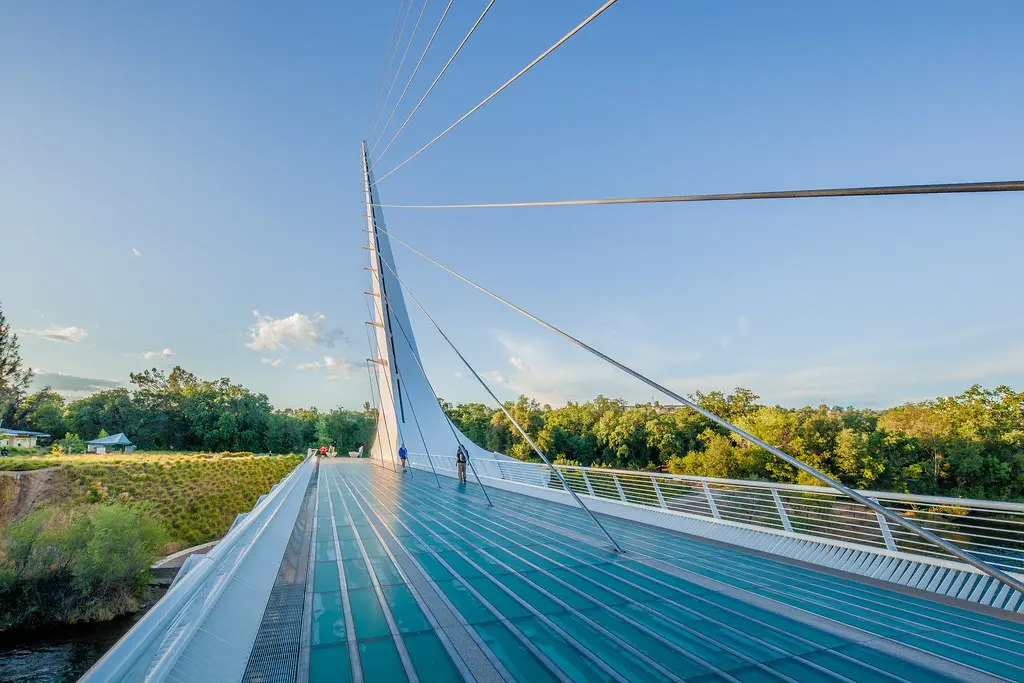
335 368
742 330
136 252
61 334
870 379
72 386
273 362
270 334
150 355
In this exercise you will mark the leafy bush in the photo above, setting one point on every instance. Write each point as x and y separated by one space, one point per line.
22 450
81 563
69 444
24 464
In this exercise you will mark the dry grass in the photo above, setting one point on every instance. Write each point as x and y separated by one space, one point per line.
196 495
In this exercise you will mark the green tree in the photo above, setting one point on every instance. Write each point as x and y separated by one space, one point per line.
46 413
15 377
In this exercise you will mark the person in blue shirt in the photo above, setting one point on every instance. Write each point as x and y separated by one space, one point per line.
403 455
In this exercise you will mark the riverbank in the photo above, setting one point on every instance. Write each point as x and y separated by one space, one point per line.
62 654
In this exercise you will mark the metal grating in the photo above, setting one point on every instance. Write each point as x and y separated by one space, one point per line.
275 652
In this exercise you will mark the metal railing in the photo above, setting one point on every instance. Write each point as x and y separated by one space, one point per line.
148 650
993 531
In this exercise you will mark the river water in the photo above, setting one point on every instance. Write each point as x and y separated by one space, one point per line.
58 654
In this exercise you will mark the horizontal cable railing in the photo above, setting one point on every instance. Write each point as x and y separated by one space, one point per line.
991 530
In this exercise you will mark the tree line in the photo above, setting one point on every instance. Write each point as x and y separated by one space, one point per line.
179 411
969 445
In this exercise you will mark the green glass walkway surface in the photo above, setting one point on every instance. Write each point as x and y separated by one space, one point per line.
413 582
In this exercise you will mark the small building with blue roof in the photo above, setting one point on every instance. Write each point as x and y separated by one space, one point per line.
20 437
114 442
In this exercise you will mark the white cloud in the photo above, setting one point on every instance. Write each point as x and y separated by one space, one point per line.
743 325
518 363
269 333
61 334
150 355
72 386
495 376
336 368
136 252
273 362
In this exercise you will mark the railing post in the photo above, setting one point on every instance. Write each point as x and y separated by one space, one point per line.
618 485
711 500
782 511
657 491
586 480
883 524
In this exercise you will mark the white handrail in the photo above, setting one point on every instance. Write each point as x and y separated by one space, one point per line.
161 617
809 510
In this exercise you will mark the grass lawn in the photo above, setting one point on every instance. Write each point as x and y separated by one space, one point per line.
195 495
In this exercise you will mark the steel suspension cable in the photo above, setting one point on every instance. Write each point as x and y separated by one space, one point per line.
387 62
373 398
391 393
369 382
507 83
436 79
881 190
455 433
401 32
415 71
401 63
437 400
412 406
504 410
954 550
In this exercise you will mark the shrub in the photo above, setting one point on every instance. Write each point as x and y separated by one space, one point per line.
23 450
24 464
69 444
80 563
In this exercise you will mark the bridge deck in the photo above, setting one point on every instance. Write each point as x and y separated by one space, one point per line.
415 581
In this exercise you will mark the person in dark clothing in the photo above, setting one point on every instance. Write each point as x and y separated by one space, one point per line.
403 455
461 457
4 452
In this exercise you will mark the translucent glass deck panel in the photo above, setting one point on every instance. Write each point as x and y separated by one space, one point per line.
545 599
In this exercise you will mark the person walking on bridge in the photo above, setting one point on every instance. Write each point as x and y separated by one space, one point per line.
461 456
403 455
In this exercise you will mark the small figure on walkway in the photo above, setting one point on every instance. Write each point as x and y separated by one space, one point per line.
403 455
461 456
360 451
323 451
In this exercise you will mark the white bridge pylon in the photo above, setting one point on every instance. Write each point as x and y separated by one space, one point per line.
404 395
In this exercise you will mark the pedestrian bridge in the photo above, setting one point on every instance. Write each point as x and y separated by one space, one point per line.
351 571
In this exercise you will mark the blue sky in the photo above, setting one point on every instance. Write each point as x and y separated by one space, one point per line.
220 143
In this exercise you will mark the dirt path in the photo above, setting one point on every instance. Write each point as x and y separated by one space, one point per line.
22 492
